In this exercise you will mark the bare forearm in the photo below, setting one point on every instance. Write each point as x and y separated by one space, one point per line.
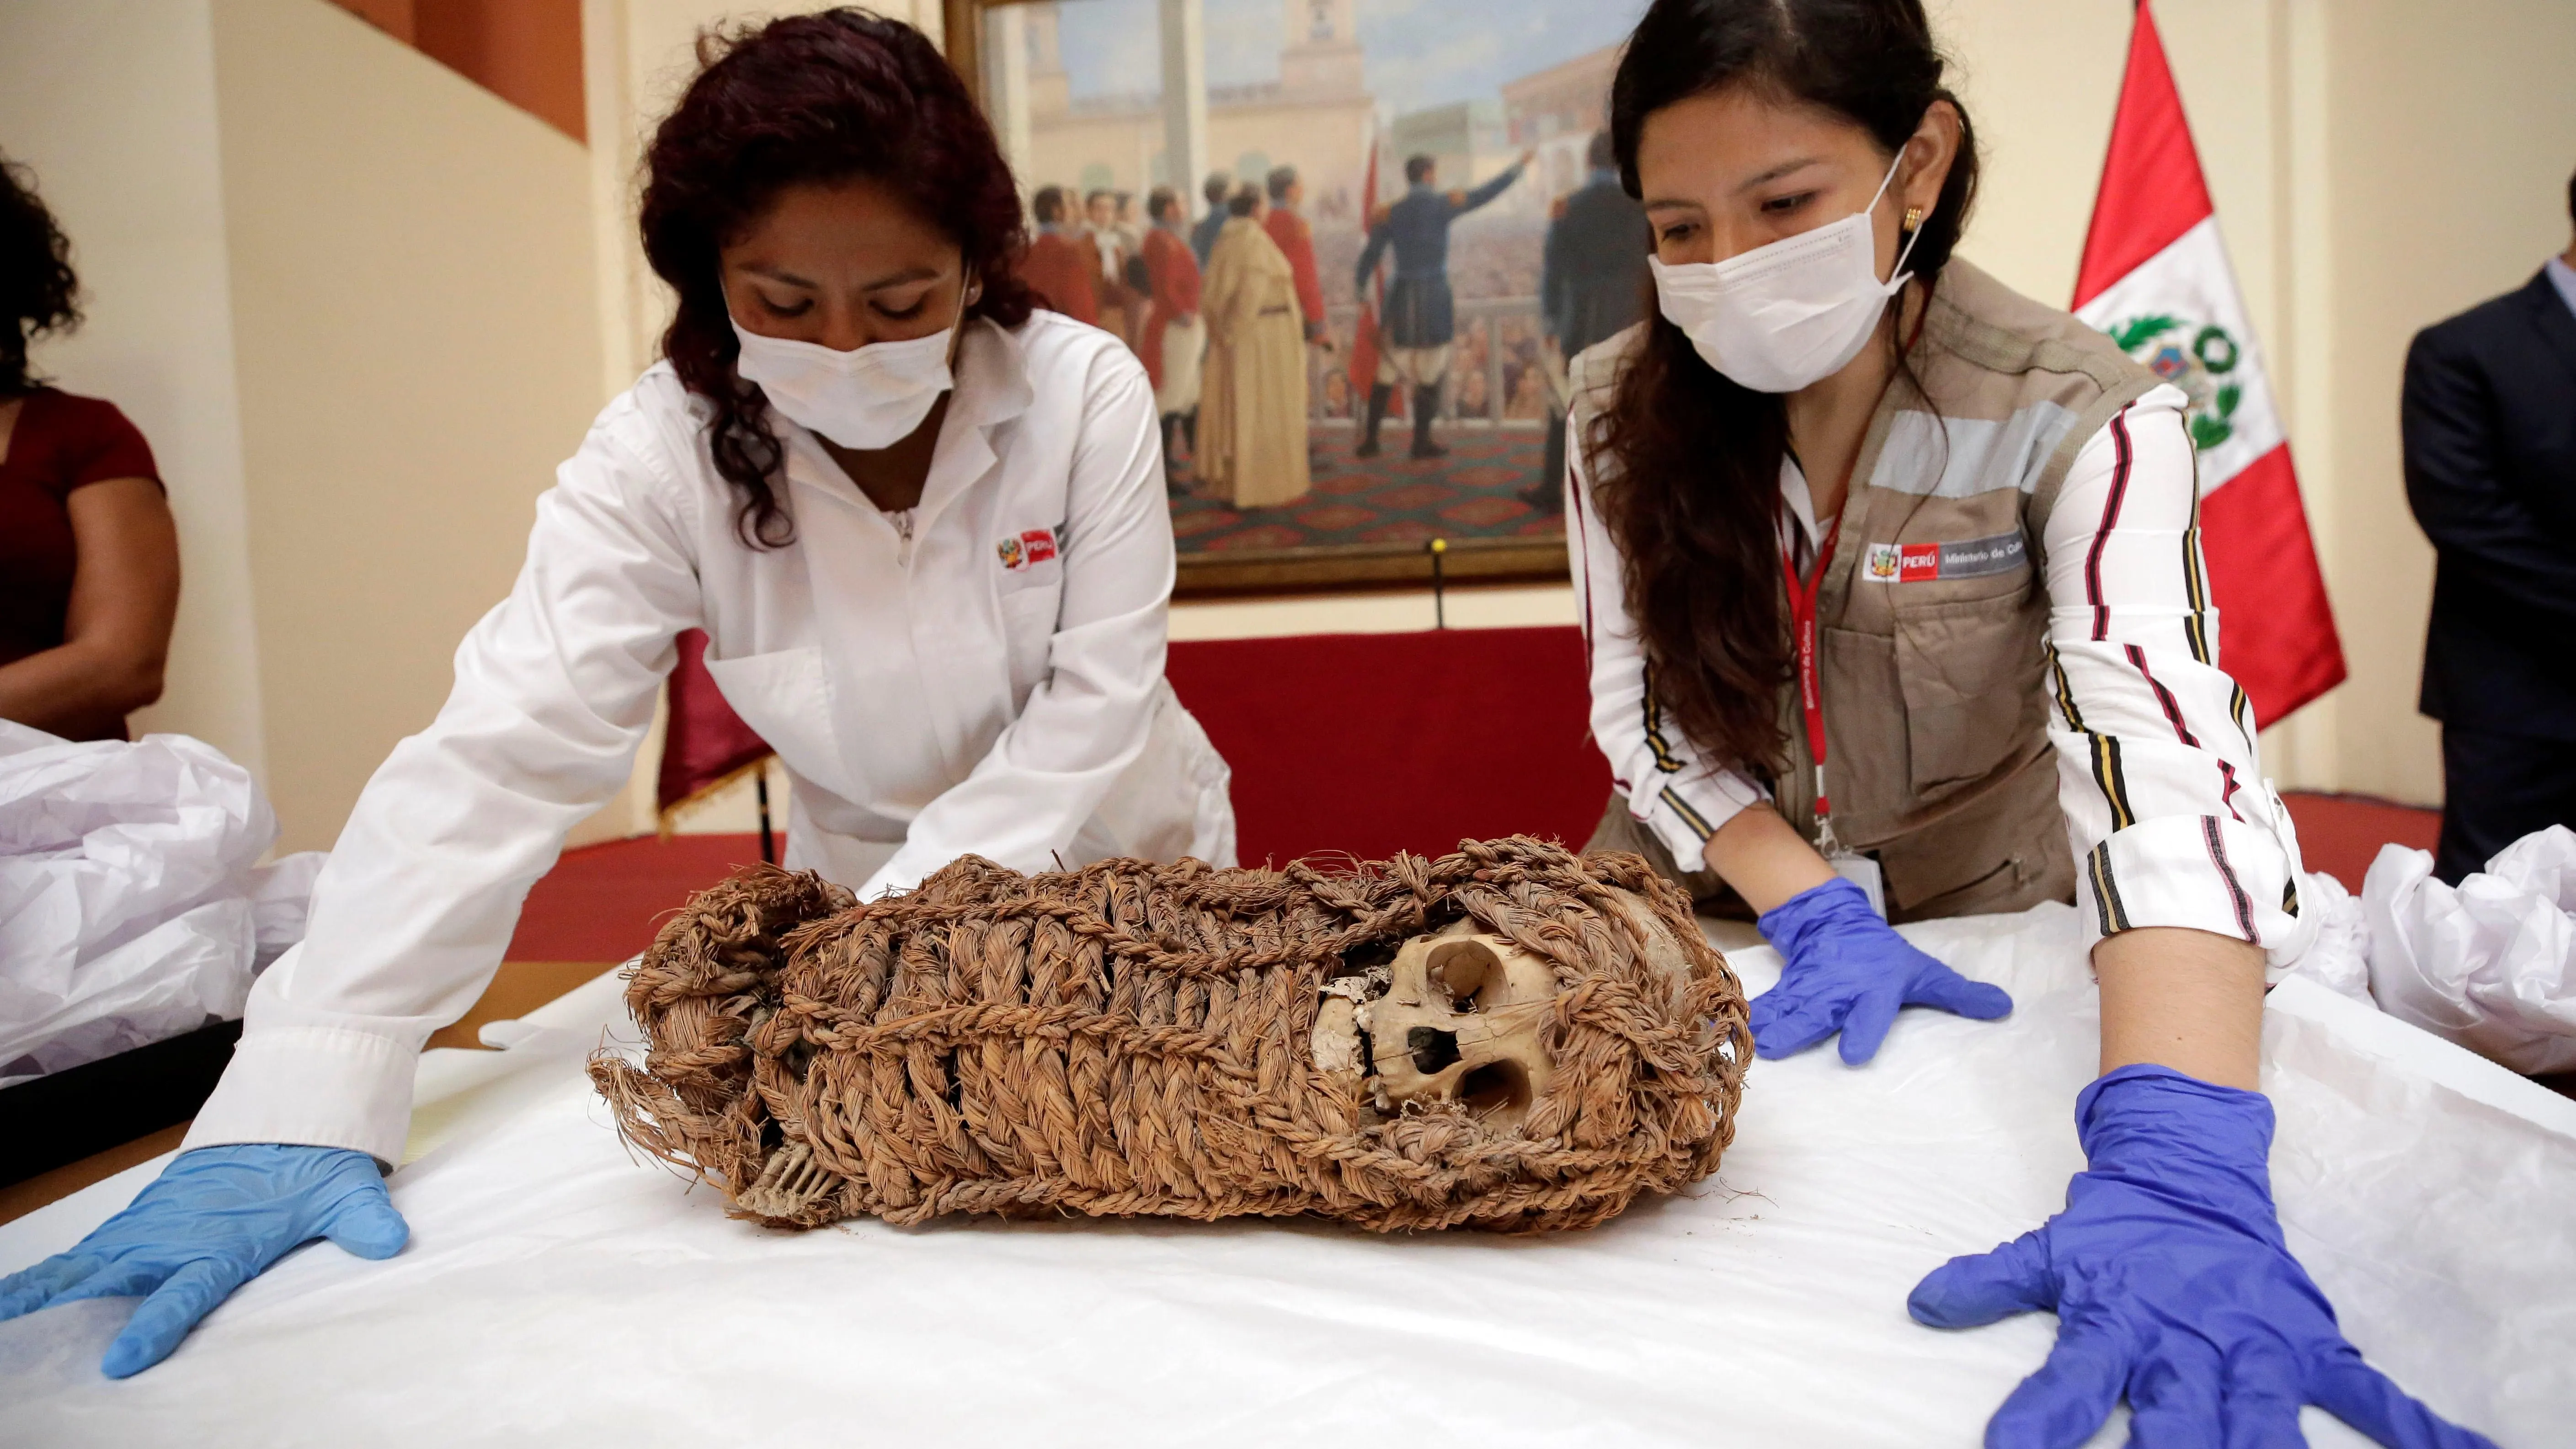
1765 860
77 690
2183 999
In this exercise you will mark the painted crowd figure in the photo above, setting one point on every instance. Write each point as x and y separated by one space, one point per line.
1421 319
1592 287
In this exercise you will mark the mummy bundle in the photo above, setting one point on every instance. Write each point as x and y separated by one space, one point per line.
1511 1037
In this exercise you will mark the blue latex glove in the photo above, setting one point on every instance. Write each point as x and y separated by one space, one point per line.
213 1220
1843 969
2171 1284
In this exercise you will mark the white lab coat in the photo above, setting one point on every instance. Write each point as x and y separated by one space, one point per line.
950 695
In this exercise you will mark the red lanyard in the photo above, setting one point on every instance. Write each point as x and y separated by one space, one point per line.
1811 693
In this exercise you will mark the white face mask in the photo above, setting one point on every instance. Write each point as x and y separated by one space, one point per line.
1785 315
869 398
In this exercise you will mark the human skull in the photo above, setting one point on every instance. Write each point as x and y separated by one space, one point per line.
1456 1017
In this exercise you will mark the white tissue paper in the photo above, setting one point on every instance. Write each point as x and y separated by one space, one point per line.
132 903
2490 964
2337 957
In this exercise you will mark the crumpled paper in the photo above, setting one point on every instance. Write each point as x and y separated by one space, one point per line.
2338 956
2490 964
133 906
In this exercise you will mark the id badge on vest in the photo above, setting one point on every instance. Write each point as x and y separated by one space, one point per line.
1851 865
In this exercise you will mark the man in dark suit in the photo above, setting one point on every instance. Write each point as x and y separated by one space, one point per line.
1421 313
1591 288
2490 420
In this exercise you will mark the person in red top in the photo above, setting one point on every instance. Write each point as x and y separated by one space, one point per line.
1297 242
1059 262
1175 338
89 558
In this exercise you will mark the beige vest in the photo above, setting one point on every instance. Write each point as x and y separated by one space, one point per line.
1935 689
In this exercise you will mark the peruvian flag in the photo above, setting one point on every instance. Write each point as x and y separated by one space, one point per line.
2156 278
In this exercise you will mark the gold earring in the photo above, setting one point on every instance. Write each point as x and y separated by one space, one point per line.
1913 218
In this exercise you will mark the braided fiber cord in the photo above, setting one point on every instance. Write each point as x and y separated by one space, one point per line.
1134 1038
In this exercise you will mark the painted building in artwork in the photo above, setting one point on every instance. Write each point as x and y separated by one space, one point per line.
1555 112
1470 140
1314 117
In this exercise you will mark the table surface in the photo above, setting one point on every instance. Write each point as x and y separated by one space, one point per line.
557 1287
518 988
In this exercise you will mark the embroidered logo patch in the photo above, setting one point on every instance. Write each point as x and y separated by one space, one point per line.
1033 547
1907 563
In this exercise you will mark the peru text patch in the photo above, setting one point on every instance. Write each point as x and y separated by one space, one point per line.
1906 563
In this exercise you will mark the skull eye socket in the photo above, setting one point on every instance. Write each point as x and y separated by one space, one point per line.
1496 1087
1465 971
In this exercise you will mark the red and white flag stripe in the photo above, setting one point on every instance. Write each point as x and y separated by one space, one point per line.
2156 278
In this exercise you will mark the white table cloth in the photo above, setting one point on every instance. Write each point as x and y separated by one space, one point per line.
559 1291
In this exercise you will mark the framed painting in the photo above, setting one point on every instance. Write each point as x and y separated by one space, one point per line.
1406 160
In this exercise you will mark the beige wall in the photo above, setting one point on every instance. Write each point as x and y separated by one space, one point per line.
349 297
417 349
112 102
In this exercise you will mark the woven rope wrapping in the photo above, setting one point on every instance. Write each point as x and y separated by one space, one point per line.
1134 1038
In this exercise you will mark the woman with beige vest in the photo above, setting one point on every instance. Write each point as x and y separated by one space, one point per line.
1897 612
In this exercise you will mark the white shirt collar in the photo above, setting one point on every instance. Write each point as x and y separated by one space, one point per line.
1798 530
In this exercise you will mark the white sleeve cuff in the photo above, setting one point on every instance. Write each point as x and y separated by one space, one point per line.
314 1086
2202 872
1683 815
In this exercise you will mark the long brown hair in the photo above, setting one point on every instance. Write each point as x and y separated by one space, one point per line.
812 98
1688 477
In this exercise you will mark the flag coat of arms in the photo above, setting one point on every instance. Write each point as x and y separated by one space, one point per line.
2156 278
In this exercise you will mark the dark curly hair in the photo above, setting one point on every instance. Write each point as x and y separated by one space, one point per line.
813 98
1692 487
38 292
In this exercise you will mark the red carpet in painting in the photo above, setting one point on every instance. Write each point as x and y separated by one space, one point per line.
1387 499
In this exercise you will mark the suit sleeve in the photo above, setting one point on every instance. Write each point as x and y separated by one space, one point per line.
554 691
1487 192
1088 720
2461 498
1379 236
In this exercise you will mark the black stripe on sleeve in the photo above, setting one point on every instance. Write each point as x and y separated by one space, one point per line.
2065 692
1697 822
2195 583
2106 892
1665 760
2236 896
2114 782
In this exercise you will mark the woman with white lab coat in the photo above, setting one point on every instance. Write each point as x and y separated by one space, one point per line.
923 525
